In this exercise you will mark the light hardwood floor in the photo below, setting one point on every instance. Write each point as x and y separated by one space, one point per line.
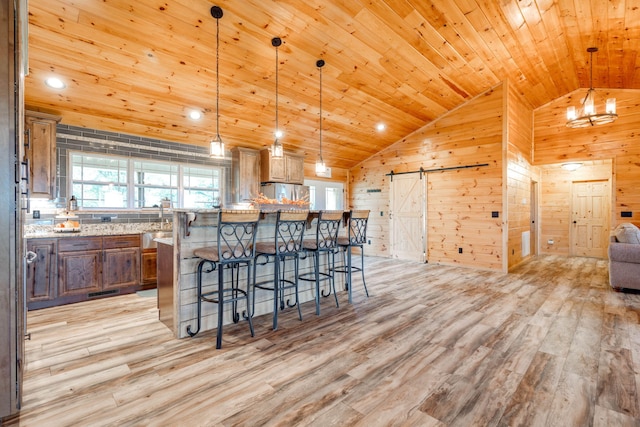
548 344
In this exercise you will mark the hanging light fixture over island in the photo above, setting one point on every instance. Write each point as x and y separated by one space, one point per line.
586 114
321 167
216 146
276 149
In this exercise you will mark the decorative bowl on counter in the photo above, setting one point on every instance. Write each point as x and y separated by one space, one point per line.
68 226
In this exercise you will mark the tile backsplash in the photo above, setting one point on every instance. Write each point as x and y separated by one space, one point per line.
73 138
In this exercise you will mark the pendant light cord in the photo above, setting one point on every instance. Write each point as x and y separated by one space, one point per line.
591 72
277 91
218 79
321 113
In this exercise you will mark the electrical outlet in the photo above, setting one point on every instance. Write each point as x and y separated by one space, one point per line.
369 242
106 219
36 214
550 242
459 250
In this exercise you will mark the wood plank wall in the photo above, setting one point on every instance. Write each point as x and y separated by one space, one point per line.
555 202
619 141
519 171
459 202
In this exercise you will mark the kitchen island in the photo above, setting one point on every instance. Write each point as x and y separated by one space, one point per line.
195 228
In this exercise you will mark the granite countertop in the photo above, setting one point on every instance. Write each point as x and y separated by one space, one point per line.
164 240
90 230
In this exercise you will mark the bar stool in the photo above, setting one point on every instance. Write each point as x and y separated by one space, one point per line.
287 244
236 232
325 242
357 237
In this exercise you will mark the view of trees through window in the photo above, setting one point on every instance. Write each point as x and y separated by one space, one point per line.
102 181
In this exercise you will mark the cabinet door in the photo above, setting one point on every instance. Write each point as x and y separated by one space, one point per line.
41 153
149 267
41 273
79 272
121 267
246 174
295 169
272 170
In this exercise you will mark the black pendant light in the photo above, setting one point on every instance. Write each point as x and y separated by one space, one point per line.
321 167
276 149
216 146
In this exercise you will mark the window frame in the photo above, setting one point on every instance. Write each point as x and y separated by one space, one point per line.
132 187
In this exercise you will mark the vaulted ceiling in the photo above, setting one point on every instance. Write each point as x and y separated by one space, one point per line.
139 66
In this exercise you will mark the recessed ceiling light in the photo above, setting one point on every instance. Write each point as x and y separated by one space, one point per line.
380 127
55 83
195 115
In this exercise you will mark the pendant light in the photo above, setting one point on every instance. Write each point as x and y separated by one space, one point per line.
216 146
586 114
321 167
276 149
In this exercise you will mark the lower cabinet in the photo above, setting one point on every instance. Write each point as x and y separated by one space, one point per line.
41 272
79 266
149 266
121 261
73 269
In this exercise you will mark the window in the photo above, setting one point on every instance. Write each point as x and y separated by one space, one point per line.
102 181
332 198
201 187
153 182
325 194
99 181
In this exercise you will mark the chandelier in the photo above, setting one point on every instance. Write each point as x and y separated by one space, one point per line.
586 115
216 146
321 167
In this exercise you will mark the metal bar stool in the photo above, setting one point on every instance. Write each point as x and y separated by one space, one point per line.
236 231
326 241
357 237
287 244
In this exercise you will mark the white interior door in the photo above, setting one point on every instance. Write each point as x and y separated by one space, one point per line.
407 214
590 208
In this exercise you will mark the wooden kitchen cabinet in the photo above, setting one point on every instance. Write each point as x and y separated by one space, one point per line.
79 266
149 267
40 151
121 261
288 169
295 169
246 173
41 273
72 269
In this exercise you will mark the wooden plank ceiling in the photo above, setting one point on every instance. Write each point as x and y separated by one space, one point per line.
138 66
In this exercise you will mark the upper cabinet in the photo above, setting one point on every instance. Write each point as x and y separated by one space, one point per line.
246 173
40 150
288 169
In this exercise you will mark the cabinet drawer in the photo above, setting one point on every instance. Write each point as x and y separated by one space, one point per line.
70 244
128 241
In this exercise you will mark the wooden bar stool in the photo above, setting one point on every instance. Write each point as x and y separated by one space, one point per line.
325 242
236 231
287 244
357 237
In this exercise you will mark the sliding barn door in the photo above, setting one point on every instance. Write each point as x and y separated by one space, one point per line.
590 208
408 225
